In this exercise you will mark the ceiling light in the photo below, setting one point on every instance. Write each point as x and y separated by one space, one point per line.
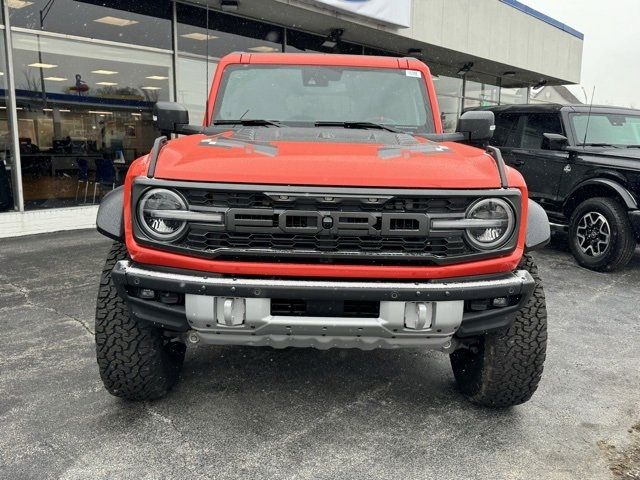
157 77
118 22
47 109
42 65
198 36
136 114
264 48
108 84
104 72
229 5
17 3
1 74
332 39
64 110
465 69
56 79
151 88
98 112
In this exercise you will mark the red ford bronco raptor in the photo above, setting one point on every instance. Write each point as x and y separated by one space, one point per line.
321 205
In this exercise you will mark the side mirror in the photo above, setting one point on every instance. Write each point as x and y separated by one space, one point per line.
554 141
477 126
170 117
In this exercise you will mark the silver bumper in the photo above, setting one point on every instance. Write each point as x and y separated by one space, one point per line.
237 311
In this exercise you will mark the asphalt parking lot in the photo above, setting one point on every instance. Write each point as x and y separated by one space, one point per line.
263 413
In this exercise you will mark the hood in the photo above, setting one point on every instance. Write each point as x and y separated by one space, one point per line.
623 153
326 157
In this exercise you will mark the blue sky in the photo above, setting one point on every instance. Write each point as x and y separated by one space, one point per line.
611 57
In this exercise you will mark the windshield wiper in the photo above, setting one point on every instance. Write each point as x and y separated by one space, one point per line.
632 146
597 145
257 122
358 125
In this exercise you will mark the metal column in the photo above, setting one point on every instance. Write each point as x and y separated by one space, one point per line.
12 113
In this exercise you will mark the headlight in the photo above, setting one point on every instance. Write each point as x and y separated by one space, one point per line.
495 223
157 211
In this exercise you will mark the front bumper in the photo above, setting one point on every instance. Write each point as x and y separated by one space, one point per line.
447 303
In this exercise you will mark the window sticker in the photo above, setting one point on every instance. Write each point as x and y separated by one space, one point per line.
413 73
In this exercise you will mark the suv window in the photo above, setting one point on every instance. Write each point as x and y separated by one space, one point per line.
506 127
534 125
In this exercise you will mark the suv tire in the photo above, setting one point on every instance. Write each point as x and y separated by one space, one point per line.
136 361
601 218
504 367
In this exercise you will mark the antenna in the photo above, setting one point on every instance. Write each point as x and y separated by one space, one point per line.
586 130
206 80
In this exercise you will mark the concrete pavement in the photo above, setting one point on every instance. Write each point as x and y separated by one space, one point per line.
263 413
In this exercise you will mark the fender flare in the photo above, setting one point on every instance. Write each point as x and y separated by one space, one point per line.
109 221
538 228
626 196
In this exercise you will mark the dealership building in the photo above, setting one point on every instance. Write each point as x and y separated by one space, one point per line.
79 77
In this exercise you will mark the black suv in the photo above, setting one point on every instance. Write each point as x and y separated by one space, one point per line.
582 164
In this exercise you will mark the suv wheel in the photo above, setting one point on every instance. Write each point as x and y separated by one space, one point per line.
136 361
600 235
504 367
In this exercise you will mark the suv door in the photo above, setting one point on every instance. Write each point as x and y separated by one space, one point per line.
542 169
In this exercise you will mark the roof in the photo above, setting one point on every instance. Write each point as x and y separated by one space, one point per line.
333 59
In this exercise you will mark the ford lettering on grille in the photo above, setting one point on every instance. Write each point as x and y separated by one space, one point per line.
358 224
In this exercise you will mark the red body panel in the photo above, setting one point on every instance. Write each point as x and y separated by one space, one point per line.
326 164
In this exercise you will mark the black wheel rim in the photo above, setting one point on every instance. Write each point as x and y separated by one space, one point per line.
593 234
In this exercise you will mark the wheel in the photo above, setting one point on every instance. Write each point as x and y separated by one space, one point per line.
136 361
600 235
503 368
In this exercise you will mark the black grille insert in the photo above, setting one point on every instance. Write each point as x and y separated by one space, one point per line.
325 308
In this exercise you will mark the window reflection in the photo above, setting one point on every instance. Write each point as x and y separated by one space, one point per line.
140 22
83 116
7 168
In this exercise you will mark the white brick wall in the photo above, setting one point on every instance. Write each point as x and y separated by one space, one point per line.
15 224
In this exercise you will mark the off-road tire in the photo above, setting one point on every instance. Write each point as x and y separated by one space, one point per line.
504 367
622 244
136 360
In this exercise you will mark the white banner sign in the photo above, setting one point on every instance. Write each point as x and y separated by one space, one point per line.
394 12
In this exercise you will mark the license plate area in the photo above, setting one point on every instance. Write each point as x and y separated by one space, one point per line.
325 308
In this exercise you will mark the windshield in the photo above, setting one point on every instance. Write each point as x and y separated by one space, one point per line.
309 94
607 129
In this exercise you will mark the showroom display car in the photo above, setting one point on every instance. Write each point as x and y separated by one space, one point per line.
321 205
582 164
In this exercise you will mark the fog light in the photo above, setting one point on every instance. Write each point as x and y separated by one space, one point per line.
147 293
500 302
478 305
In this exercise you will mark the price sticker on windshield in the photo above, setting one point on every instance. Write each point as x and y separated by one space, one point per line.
413 73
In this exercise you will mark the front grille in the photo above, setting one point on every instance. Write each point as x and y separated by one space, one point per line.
234 199
354 226
202 239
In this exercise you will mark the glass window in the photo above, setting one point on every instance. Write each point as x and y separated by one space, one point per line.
506 128
610 129
7 165
140 22
485 91
193 87
225 33
305 42
449 112
513 96
448 85
535 125
333 94
84 113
